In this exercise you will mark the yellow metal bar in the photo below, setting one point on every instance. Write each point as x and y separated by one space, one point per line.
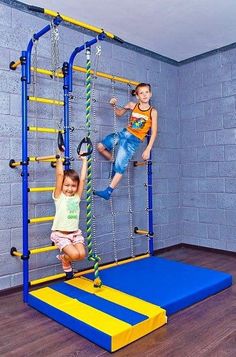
47 72
141 231
79 23
43 249
98 74
40 189
17 254
46 279
141 163
14 65
41 219
81 273
44 130
46 100
37 250
14 163
46 158
108 76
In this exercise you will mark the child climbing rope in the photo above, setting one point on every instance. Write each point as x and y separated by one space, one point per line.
65 229
143 117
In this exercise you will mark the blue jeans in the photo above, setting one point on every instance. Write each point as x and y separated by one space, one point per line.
128 144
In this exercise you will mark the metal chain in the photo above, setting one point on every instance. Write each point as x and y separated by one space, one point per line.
147 212
55 61
113 215
94 77
130 210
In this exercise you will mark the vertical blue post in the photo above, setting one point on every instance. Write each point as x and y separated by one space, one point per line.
65 70
25 257
150 205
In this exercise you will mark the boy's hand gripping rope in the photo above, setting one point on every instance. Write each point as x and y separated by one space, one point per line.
91 256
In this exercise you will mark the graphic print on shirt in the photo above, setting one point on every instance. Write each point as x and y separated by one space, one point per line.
72 207
137 120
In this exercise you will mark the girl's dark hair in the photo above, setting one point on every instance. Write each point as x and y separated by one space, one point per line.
140 85
72 174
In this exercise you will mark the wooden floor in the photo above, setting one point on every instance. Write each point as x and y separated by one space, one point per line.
207 328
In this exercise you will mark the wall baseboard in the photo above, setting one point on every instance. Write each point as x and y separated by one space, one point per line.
197 247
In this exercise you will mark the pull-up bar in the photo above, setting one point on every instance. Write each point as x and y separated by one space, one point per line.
74 22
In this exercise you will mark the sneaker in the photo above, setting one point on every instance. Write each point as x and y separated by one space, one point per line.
66 265
69 275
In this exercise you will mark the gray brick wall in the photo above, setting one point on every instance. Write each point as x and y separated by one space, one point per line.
208 148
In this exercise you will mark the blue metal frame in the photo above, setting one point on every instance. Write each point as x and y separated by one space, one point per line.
68 71
26 79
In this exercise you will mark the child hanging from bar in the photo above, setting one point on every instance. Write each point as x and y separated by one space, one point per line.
143 117
65 229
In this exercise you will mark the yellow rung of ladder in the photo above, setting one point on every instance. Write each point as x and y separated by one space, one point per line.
87 271
46 100
41 189
58 74
44 130
40 219
106 75
142 231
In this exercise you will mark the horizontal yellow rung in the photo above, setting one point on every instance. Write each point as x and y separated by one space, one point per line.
41 219
98 74
58 74
40 189
14 65
36 250
44 130
87 271
141 163
43 249
13 163
140 231
108 76
46 100
16 253
44 158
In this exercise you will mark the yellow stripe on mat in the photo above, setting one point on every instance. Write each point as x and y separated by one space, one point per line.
116 296
80 311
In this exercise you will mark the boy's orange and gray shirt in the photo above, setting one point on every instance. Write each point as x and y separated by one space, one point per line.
140 122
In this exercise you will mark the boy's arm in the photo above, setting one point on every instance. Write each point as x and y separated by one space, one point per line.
59 177
121 110
146 153
83 175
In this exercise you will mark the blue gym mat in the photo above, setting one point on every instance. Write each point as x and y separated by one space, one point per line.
169 284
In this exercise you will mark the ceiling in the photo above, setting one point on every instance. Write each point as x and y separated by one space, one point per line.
178 29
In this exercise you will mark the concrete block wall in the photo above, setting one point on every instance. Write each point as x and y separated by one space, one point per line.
208 150
16 29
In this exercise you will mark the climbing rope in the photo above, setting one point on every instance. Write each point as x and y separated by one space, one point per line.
89 193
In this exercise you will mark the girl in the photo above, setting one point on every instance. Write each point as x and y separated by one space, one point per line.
65 229
143 117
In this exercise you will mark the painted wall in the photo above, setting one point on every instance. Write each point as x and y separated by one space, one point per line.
208 151
16 29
